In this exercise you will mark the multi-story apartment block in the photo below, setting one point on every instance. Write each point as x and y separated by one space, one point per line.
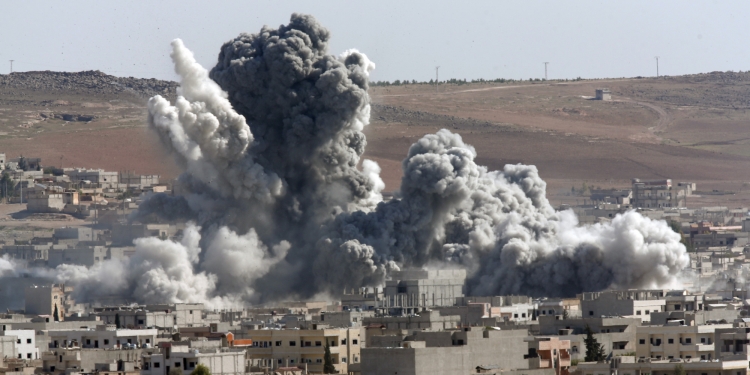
629 303
661 193
677 341
274 348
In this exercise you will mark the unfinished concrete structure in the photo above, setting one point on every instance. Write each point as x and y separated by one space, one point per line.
603 94
459 352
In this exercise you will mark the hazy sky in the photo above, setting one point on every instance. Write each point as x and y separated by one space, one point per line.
406 39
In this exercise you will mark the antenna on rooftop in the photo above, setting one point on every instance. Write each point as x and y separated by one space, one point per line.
545 70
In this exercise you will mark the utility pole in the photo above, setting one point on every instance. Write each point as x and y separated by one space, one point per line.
657 66
437 81
545 70
11 66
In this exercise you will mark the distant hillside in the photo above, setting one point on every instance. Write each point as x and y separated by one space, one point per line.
92 82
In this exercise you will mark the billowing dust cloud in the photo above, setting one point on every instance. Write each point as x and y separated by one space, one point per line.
270 141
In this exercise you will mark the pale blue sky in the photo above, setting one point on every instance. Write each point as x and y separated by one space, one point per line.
406 39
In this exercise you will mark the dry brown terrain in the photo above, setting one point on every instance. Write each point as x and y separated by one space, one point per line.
690 128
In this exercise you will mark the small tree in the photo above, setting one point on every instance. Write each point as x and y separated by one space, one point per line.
565 314
679 370
328 367
201 369
175 371
22 164
56 314
117 321
594 350
6 185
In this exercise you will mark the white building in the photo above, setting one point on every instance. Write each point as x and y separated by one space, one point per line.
103 337
220 361
25 342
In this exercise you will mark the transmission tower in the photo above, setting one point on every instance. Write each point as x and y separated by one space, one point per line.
545 70
657 66
437 81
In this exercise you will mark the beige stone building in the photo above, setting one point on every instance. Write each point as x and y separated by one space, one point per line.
274 348
42 300
677 341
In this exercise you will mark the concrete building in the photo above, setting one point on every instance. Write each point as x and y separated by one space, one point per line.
25 347
612 196
427 320
464 351
632 303
677 341
103 337
661 193
273 348
220 361
45 201
93 176
153 316
65 360
628 365
80 255
131 179
603 94
345 319
409 290
45 300
617 335
78 234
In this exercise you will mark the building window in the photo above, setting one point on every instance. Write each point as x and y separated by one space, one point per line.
638 312
678 307
343 360
670 341
18 341
647 312
523 315
354 341
591 313
688 340
318 360
278 343
515 316
307 343
279 361
318 343
343 342
642 341
177 364
191 364
157 364
28 341
292 343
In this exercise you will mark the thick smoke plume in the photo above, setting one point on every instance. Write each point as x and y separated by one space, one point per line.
283 206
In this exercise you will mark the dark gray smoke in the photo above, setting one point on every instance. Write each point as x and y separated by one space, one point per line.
270 141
